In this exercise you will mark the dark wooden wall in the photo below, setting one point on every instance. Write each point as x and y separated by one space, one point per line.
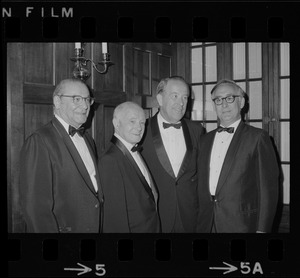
34 69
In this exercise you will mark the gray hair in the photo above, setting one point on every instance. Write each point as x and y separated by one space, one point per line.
62 85
123 106
230 82
163 83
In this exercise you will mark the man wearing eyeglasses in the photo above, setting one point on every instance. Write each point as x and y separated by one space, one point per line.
238 171
59 180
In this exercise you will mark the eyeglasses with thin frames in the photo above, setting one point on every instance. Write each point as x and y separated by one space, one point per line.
228 99
78 100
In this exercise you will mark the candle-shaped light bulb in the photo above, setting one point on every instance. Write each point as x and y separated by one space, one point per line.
104 47
77 45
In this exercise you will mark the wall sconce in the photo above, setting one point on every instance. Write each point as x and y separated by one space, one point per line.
80 71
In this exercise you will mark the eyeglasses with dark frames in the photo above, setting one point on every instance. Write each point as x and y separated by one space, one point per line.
228 99
78 100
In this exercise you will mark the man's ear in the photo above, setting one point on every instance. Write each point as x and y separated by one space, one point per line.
56 101
115 123
213 105
242 102
159 99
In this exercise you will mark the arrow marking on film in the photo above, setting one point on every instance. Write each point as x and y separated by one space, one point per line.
83 270
229 269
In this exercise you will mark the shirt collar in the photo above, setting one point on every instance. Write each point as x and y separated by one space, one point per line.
161 119
235 124
63 122
125 143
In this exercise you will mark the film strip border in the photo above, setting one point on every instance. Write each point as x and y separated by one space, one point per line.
150 255
148 21
154 255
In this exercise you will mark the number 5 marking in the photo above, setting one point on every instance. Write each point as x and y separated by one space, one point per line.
100 267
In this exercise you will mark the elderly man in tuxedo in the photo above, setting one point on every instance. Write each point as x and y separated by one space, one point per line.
238 171
170 148
130 194
59 179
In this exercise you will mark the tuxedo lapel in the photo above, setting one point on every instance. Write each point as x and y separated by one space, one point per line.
159 147
230 156
74 154
93 153
189 148
131 160
205 153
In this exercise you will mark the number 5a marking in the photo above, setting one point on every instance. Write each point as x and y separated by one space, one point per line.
245 268
101 269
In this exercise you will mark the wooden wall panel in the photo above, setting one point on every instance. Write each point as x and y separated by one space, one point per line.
63 65
15 133
42 94
182 66
164 66
38 63
113 80
109 130
36 115
161 68
224 61
103 127
99 129
97 80
141 72
154 73
129 71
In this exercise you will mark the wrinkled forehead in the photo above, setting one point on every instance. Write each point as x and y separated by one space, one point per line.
177 86
225 90
76 88
133 112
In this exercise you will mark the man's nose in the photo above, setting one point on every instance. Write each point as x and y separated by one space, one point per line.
139 127
85 103
224 103
181 101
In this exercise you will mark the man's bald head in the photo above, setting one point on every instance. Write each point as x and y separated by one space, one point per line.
129 121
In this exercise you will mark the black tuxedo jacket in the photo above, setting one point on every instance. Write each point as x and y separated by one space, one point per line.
177 195
57 194
247 190
129 204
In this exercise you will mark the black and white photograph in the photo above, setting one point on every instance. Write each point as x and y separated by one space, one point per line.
157 137
150 138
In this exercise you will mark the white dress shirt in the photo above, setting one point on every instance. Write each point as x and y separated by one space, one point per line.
220 146
174 143
137 158
83 152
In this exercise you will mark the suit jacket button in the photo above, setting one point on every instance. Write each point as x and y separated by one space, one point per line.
97 206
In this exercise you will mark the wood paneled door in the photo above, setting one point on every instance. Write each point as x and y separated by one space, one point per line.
33 71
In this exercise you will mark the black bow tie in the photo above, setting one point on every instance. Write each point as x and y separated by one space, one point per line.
73 130
167 125
137 148
228 129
